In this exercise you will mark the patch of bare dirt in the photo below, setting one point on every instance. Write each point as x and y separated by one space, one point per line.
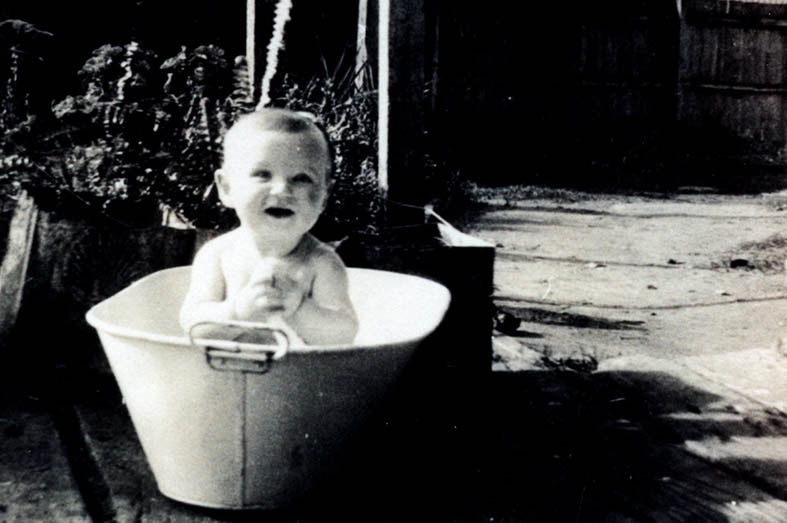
766 255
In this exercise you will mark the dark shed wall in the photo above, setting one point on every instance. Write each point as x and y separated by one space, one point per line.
558 87
504 77
615 92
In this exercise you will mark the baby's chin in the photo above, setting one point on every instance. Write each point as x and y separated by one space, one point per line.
281 224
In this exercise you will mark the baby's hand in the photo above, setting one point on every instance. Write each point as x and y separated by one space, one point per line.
274 290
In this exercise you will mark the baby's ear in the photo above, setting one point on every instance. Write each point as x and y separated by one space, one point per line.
223 185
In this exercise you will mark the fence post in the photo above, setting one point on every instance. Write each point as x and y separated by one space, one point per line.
406 57
13 271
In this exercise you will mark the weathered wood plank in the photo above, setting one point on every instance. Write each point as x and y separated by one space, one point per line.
739 56
13 271
407 57
132 495
735 12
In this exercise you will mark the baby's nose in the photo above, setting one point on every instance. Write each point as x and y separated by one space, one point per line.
280 187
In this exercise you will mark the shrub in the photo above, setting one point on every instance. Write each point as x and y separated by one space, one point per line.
140 138
144 136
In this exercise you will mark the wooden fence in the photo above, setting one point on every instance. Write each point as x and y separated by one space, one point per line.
733 71
627 62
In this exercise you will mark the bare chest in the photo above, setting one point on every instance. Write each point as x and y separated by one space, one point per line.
240 266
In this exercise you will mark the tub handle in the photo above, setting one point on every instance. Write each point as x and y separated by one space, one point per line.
235 355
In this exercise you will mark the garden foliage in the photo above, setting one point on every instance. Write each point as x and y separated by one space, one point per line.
142 139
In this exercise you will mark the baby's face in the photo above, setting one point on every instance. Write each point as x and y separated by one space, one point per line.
276 182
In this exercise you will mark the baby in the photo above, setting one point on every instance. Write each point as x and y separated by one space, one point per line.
276 176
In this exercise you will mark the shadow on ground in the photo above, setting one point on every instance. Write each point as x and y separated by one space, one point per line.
545 446
549 317
556 447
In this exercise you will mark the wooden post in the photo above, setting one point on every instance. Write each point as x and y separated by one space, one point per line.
383 101
251 40
13 270
462 345
361 54
402 66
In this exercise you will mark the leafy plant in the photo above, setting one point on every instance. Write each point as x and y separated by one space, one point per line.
18 119
144 135
203 97
141 137
101 155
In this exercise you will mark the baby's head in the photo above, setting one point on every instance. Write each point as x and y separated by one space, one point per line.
276 171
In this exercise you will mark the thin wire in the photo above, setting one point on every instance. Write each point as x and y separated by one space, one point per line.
401 204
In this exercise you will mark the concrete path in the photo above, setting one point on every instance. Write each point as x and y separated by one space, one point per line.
640 276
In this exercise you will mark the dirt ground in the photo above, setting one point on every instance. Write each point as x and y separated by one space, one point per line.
604 276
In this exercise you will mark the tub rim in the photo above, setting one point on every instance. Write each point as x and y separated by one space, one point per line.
104 326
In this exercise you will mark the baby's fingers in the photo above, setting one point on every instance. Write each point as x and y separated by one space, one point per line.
268 304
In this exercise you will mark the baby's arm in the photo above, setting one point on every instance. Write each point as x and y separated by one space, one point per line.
327 317
205 299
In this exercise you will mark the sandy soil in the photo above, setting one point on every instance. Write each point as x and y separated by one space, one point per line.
610 275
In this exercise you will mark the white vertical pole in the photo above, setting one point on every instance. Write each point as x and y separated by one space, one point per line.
361 56
276 44
383 96
251 51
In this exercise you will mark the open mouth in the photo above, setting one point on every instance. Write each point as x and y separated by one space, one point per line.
279 212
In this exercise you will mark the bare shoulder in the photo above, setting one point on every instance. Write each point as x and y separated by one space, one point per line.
325 258
207 278
331 283
215 247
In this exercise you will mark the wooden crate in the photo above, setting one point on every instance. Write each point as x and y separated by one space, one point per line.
464 264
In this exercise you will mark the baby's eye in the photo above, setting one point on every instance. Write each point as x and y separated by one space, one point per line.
262 175
302 178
